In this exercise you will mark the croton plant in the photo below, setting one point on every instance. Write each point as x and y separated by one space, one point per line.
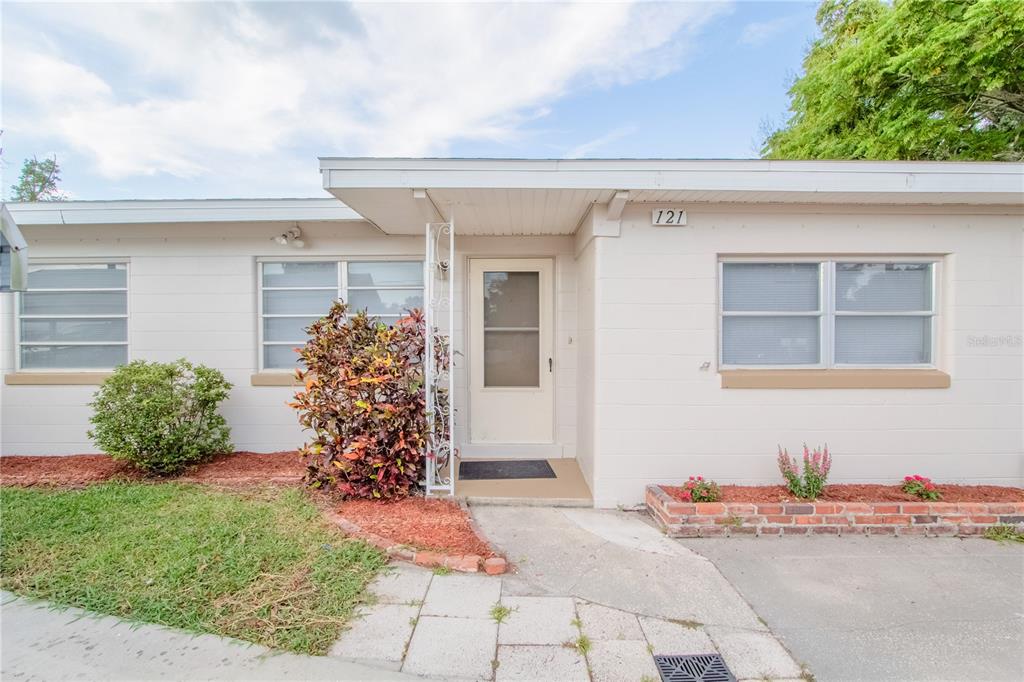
364 401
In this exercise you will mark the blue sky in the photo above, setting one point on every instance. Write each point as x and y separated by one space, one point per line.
200 100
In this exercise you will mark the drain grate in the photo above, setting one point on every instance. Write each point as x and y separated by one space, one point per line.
697 668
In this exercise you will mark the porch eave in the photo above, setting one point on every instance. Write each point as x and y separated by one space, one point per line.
551 197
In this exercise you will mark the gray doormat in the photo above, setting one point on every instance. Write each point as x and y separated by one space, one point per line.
482 470
698 668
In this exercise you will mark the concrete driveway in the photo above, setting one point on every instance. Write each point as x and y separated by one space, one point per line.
858 608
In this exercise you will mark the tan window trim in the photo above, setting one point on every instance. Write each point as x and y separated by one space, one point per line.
834 378
55 378
274 379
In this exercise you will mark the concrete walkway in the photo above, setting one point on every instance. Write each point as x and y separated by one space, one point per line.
42 643
596 594
879 608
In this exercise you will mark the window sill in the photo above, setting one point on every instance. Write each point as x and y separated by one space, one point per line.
834 378
55 378
274 379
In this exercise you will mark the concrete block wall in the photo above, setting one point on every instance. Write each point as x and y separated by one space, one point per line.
660 417
193 293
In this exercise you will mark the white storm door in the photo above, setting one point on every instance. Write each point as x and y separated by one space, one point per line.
511 321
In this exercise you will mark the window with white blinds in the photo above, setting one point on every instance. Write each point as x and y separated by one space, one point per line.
827 314
294 294
74 316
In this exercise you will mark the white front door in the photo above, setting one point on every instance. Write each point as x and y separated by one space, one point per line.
511 321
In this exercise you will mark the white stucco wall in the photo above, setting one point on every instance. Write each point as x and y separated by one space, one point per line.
193 294
660 418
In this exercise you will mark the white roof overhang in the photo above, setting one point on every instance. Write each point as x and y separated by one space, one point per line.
13 254
530 197
182 211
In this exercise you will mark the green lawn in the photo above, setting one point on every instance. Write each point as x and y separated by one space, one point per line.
260 565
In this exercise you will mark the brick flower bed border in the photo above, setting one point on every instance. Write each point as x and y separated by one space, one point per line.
723 519
466 563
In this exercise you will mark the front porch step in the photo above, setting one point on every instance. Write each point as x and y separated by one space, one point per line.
567 489
476 500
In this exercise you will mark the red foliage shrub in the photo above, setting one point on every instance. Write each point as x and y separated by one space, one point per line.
364 400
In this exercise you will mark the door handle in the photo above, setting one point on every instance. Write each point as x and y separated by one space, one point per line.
551 364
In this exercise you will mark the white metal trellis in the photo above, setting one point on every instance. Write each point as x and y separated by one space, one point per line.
439 309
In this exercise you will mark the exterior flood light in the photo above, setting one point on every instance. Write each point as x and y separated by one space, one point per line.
291 238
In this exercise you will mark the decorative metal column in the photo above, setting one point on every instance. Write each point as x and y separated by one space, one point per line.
439 300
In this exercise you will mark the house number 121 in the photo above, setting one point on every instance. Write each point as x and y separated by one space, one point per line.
668 216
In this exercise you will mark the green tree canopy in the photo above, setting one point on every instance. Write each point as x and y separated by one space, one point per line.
38 181
915 79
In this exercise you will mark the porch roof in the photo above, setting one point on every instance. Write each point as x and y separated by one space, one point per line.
533 197
144 211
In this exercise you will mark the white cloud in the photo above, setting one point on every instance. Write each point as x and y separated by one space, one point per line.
758 33
196 89
583 150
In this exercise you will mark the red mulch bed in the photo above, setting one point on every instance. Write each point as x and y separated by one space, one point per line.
436 525
63 470
251 467
863 493
77 470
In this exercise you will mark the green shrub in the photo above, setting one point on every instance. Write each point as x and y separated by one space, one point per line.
365 402
161 416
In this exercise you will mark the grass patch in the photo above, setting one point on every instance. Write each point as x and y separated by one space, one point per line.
499 612
581 644
1004 532
262 566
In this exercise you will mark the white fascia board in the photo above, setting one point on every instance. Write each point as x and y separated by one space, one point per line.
983 182
181 211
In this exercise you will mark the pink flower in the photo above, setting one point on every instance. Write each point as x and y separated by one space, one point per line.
908 478
700 478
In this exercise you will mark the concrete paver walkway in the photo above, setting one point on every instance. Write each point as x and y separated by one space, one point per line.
596 594
465 627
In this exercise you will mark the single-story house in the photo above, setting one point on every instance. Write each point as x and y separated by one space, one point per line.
636 321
